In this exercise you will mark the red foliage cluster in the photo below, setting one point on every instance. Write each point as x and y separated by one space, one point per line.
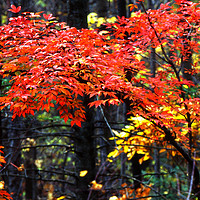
50 63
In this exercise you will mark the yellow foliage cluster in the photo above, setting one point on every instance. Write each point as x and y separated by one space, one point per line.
131 140
141 133
94 21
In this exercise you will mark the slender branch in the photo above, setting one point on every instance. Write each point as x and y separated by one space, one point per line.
39 179
163 50
178 188
156 34
191 180
104 117
171 139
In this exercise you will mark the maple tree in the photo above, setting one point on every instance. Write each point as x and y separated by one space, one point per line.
50 63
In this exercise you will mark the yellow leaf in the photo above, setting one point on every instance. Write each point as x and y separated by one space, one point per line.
62 197
116 133
144 158
138 57
113 154
126 148
140 151
50 192
123 134
2 185
128 128
120 141
101 20
162 135
173 153
83 173
113 198
109 160
111 20
130 155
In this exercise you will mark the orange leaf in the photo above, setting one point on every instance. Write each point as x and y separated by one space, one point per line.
96 186
132 6
2 159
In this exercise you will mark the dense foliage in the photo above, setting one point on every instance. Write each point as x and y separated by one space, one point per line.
50 64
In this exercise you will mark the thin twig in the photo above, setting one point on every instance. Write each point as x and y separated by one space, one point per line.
109 127
178 188
191 179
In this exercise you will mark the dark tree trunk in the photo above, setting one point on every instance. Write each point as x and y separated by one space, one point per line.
136 170
102 8
136 166
13 155
84 144
27 6
30 156
85 150
77 13
121 4
1 12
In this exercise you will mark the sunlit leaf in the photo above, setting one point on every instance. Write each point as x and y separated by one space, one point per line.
83 173
113 198
2 183
96 186
62 197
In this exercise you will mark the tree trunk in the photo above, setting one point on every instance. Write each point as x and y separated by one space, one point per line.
30 155
27 6
85 150
13 155
84 144
77 13
1 12
121 4
102 8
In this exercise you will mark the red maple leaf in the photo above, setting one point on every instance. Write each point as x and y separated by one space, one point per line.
48 17
14 9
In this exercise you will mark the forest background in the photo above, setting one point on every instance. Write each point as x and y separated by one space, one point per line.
136 136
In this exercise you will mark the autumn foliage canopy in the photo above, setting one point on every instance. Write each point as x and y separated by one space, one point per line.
49 63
